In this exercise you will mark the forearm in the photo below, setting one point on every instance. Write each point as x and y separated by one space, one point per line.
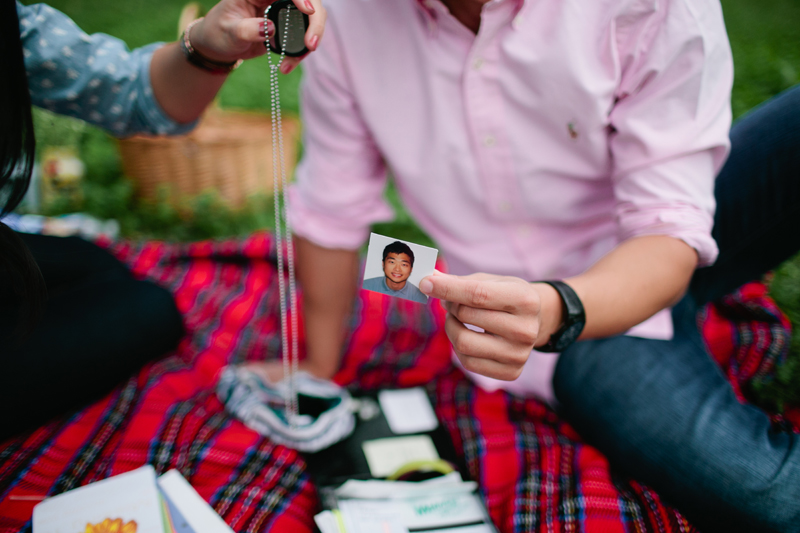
182 90
329 282
634 281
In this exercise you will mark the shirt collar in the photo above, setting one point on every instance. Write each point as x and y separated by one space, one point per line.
391 289
425 5
430 9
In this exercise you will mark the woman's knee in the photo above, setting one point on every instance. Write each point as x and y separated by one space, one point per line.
68 261
99 262
136 319
154 309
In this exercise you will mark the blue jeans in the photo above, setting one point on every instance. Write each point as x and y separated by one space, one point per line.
662 411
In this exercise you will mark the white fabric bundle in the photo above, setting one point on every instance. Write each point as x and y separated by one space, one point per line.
260 404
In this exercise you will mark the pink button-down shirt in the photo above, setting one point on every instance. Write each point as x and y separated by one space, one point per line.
530 149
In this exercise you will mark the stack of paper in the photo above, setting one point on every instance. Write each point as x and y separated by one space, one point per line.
440 504
133 502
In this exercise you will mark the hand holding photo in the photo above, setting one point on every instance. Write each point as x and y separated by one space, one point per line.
395 267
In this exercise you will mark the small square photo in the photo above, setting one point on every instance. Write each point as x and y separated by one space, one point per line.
395 267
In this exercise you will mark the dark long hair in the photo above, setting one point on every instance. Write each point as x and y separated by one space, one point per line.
19 274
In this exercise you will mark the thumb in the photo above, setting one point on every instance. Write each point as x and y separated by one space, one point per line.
426 283
253 30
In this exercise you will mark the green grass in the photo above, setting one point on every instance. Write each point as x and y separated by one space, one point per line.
765 38
785 389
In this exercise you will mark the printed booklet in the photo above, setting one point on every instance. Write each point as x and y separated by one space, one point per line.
133 502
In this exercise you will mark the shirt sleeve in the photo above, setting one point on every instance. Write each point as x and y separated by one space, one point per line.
91 77
671 122
340 181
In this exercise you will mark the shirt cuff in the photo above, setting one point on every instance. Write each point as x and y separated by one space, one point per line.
155 116
684 222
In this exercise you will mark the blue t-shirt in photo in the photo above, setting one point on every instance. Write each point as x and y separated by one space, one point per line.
408 292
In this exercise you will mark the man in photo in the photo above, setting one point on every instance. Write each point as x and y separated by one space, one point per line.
398 263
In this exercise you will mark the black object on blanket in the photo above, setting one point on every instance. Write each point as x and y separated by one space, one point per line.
345 460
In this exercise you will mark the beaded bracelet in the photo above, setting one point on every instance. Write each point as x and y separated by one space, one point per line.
200 61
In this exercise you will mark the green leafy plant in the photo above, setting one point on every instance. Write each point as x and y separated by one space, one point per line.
785 290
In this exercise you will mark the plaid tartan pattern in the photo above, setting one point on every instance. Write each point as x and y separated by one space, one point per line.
749 336
533 470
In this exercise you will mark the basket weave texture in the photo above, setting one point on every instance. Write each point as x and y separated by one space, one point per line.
229 152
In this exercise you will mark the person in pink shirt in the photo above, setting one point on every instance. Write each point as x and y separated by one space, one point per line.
563 156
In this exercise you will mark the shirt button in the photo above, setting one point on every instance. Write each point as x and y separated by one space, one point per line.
477 64
489 140
504 206
517 22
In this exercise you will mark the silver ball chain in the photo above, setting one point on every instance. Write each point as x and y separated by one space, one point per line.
283 232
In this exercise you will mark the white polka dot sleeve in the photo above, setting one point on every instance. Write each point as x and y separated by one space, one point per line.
91 77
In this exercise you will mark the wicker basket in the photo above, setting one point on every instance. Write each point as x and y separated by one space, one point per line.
229 153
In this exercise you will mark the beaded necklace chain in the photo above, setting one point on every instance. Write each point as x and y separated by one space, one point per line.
283 233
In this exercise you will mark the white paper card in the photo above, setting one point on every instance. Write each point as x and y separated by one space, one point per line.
453 512
131 496
479 528
378 489
385 456
194 510
368 517
326 522
408 410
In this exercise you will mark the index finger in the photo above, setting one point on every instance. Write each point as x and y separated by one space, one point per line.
474 292
316 22
306 6
317 16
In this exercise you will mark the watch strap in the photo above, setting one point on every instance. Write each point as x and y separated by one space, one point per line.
574 319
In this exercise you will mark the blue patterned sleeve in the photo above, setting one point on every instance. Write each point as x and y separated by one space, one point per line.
91 77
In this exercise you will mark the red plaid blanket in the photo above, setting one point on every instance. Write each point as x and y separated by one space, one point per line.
749 337
533 470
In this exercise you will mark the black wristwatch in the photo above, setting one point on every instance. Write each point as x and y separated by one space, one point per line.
574 319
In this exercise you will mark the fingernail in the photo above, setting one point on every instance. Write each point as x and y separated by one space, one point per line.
426 286
269 27
313 43
309 6
286 68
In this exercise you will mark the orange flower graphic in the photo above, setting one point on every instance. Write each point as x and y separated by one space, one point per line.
112 526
